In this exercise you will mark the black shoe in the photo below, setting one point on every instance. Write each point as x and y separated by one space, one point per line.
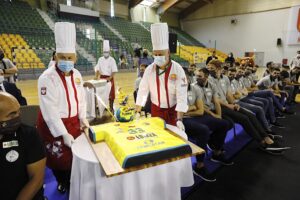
274 147
275 153
61 188
277 125
221 159
274 136
203 174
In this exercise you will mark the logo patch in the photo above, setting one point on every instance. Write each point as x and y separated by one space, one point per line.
173 77
77 81
43 91
12 156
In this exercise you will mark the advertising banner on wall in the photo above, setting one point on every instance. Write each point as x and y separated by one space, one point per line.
293 33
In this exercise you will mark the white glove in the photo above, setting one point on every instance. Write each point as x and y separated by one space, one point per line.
137 116
68 140
84 123
180 125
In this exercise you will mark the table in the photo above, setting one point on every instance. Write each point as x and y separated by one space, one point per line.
102 92
163 182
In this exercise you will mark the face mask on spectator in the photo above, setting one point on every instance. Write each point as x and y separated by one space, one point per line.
10 126
65 65
201 82
213 73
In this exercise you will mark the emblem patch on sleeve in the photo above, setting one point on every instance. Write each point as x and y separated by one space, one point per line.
43 90
173 77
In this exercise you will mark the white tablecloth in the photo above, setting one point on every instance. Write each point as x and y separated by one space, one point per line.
103 93
163 182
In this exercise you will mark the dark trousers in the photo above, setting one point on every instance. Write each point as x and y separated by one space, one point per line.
258 111
266 94
63 177
247 120
207 129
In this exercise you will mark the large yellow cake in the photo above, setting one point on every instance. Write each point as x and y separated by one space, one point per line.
139 142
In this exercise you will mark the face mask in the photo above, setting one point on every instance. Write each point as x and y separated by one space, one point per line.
237 77
105 54
145 54
273 77
1 56
201 82
65 65
191 73
141 74
230 78
160 60
1 79
10 126
213 73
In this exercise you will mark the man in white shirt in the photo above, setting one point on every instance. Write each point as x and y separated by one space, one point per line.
106 69
165 80
62 105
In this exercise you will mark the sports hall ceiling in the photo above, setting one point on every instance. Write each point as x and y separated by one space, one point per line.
181 7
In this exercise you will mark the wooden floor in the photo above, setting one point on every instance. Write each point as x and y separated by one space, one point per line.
125 80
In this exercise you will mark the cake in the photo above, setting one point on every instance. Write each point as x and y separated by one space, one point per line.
139 142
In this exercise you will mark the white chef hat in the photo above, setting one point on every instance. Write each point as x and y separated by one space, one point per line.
160 36
106 45
65 37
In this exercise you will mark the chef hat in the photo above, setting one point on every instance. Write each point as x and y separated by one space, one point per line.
160 36
106 45
65 37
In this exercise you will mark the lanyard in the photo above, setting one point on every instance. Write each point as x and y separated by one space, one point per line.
167 73
63 79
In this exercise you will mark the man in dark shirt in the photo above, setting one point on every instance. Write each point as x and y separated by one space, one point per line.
22 156
212 57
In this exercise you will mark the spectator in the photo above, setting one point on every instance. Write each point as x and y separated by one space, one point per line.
212 57
11 89
22 154
230 59
123 62
8 68
146 59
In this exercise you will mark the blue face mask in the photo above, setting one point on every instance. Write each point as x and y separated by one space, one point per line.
160 60
65 65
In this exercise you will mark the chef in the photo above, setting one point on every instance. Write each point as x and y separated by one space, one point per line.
165 80
62 105
106 69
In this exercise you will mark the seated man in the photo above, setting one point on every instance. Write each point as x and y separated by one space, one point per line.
191 73
233 112
287 84
270 82
237 88
12 89
22 154
205 127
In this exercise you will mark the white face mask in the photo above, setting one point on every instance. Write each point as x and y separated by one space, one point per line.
160 60
1 79
105 54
